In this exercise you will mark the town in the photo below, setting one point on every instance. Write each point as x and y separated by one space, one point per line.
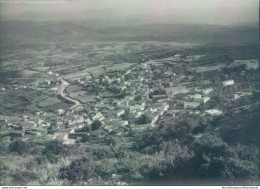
89 103
132 97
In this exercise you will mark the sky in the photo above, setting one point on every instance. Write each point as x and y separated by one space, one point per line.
223 12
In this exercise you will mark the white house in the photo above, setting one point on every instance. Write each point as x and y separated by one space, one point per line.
214 112
120 113
60 111
252 64
228 82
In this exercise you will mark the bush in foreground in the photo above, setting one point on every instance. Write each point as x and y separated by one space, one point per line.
77 172
19 147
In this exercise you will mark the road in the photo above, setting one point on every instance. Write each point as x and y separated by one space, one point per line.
65 84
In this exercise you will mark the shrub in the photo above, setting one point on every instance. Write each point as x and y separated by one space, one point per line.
77 172
23 177
173 158
96 125
216 161
85 138
102 152
127 167
41 160
199 129
50 130
209 143
169 162
3 147
5 175
85 129
143 119
19 147
53 147
243 164
105 168
138 98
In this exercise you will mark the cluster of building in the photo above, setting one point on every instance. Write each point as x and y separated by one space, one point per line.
133 99
25 127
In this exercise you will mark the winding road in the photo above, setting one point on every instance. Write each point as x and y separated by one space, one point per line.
65 84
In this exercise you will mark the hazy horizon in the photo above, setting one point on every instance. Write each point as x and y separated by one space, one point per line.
218 12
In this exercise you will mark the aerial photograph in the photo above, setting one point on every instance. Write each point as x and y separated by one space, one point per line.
129 93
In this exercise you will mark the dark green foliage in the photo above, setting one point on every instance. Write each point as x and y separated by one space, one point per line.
3 147
4 174
52 150
85 129
96 125
52 158
124 116
77 172
128 167
41 160
143 119
209 143
215 160
105 168
174 158
50 130
102 152
85 138
53 147
169 162
138 98
245 129
19 147
23 177
144 140
114 89
243 163
199 129
209 151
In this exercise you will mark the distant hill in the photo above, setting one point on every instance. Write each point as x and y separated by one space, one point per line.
206 34
22 31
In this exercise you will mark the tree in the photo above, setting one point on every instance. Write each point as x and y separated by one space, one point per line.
77 172
85 129
53 147
143 119
96 125
20 147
